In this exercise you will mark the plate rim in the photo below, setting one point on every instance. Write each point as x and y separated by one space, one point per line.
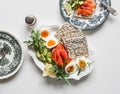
66 19
22 57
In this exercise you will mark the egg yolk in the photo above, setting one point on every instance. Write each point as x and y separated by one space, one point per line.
44 33
82 64
51 43
70 69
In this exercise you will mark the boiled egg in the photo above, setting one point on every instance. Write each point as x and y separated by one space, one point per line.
52 42
45 33
81 63
71 68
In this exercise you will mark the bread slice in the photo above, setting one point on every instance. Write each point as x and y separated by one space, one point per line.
83 17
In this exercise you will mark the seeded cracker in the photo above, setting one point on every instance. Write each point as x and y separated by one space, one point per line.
73 40
76 45
65 29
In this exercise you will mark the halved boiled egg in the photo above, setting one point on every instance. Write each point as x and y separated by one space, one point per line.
45 33
51 43
71 68
81 63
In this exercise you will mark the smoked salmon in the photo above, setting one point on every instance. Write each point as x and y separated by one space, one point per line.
87 8
60 55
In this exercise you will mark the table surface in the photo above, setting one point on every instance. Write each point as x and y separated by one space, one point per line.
104 79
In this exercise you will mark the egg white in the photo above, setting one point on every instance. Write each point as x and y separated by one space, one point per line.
49 31
52 38
81 58
72 63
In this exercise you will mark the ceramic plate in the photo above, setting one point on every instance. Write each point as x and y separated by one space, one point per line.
40 65
12 60
99 17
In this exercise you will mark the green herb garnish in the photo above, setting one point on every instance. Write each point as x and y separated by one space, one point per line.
79 71
35 41
60 73
42 52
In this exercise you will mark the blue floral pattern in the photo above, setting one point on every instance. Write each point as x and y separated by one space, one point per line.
99 17
13 55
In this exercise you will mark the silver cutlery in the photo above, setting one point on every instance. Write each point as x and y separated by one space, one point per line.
109 8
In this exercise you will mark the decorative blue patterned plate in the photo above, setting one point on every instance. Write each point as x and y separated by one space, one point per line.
99 17
12 55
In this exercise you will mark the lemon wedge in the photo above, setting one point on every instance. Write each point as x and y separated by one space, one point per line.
48 71
67 7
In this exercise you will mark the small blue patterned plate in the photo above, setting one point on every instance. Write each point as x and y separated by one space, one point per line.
11 55
99 17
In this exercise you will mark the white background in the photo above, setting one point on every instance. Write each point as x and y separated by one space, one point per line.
105 78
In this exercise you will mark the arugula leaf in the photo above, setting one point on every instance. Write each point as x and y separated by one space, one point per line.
60 73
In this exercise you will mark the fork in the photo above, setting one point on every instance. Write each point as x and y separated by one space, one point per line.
109 8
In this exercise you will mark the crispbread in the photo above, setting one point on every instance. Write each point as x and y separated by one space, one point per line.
74 41
76 45
66 28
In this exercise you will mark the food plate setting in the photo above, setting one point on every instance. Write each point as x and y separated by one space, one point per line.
11 55
85 15
62 52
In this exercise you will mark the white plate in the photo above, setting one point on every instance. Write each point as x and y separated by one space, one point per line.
40 65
